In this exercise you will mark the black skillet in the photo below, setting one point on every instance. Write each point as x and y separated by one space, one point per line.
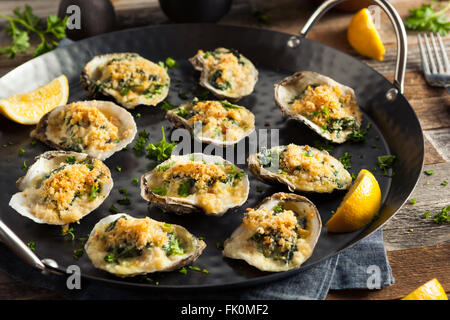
395 130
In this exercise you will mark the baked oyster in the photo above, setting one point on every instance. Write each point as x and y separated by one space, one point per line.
217 122
301 168
196 182
62 187
97 128
127 77
126 246
226 73
278 235
324 105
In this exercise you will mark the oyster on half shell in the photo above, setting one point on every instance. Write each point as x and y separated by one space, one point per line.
278 235
98 128
324 105
127 77
226 73
126 246
62 187
217 122
300 168
196 182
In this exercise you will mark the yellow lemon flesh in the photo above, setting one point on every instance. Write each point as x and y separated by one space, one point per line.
359 205
432 290
28 108
363 36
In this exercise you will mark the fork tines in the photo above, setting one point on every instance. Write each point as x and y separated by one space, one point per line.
434 61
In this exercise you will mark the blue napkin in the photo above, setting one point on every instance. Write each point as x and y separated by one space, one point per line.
362 266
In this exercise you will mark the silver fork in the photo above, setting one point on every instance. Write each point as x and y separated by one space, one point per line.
436 67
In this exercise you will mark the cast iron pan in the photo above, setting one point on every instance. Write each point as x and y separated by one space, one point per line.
395 129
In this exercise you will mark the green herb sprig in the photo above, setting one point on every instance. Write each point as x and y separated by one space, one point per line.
426 18
24 23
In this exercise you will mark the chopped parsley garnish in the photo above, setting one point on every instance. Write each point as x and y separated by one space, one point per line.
78 253
171 63
21 151
195 268
172 246
413 201
323 145
93 192
68 231
444 183
385 162
119 169
429 172
160 151
346 160
228 105
31 245
71 159
167 106
443 216
141 141
185 189
135 181
219 245
183 270
113 209
277 209
426 215
160 191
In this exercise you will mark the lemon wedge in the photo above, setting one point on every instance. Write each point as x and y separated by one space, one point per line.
359 205
432 290
28 108
363 36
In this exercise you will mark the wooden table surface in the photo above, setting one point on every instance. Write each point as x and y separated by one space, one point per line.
418 249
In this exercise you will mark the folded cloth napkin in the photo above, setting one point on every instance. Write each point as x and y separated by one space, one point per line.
362 266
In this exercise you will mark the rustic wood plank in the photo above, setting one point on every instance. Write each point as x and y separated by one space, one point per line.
440 139
432 156
430 196
21 291
411 269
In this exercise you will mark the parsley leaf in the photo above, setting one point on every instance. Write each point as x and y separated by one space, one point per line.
160 151
426 18
23 23
385 162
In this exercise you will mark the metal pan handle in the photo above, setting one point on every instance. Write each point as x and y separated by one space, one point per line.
399 28
25 253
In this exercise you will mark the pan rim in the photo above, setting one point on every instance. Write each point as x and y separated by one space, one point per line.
272 276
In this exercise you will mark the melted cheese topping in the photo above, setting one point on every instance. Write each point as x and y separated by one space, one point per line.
68 192
212 187
219 122
328 107
138 232
310 169
132 76
228 71
276 232
80 127
129 246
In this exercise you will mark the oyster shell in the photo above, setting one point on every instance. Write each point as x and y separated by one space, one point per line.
62 187
127 77
97 128
126 246
324 105
301 168
278 235
226 73
217 122
196 182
